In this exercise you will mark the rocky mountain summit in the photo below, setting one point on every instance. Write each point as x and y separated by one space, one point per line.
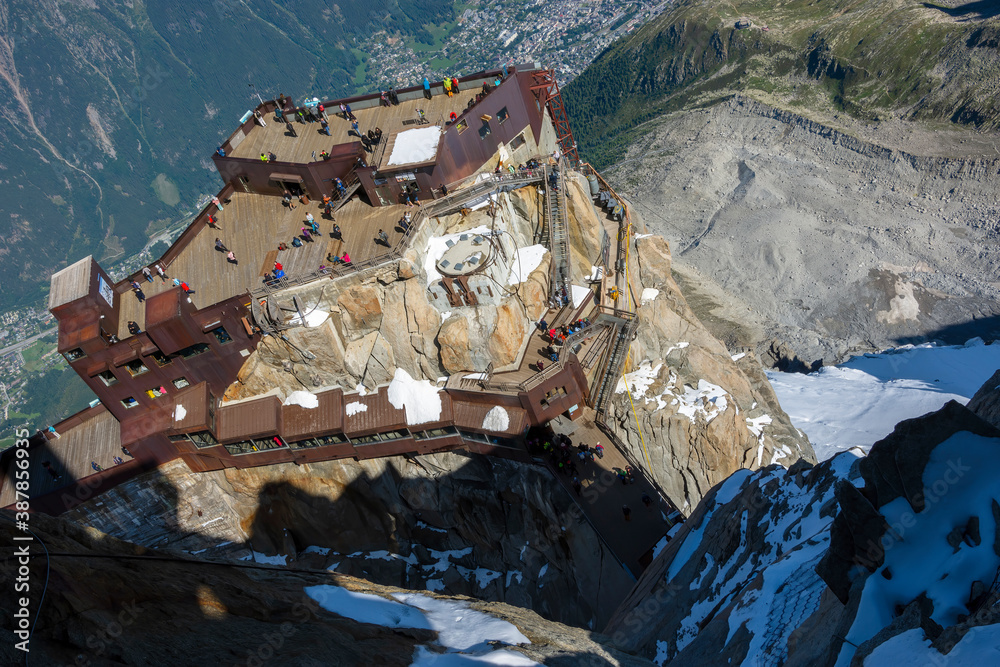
364 341
870 560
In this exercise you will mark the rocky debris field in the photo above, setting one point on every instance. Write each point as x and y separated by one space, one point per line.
807 243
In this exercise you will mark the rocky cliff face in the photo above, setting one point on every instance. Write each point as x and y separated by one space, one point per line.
110 602
891 557
454 523
702 412
834 237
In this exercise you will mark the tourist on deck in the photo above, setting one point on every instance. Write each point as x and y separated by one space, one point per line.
260 119
133 328
378 134
447 86
220 152
287 199
324 127
290 128
126 452
371 137
627 511
220 246
52 471
350 114
393 96
218 204
271 157
383 100
647 501
306 235
336 232
231 258
296 242
346 258
187 290
264 157
354 128
427 88
161 272
383 238
452 117
139 295
146 272
599 450
324 155
95 466
321 110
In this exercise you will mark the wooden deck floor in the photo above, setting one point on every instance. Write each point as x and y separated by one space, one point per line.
276 139
97 439
252 226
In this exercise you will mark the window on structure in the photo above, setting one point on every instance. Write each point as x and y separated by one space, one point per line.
255 445
502 115
435 433
156 392
136 367
160 359
517 142
393 435
477 437
180 383
194 350
462 125
203 439
379 181
364 439
333 439
74 354
107 377
129 402
221 335
484 131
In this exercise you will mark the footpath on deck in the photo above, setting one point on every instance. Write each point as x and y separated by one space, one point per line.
603 496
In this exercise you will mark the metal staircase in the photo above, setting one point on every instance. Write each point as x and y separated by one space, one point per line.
625 330
557 222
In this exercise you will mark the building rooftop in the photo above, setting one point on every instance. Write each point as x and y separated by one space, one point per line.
92 435
252 226
70 283
393 119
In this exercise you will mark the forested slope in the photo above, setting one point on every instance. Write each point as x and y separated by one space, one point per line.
114 108
870 59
